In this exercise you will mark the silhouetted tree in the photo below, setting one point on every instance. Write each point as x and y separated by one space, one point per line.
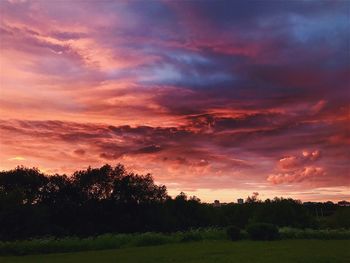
21 185
111 199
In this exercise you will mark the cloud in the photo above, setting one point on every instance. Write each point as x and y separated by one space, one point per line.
110 157
80 152
149 149
305 173
299 168
292 162
211 95
17 158
318 106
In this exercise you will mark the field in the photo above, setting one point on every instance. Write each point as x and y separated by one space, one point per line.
294 251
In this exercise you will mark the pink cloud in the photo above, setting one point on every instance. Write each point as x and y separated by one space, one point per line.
306 173
296 169
294 162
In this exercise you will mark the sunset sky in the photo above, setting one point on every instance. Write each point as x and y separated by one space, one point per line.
218 99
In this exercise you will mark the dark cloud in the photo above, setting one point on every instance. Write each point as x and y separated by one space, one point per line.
80 152
149 149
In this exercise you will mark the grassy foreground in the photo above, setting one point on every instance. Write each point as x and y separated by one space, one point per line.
320 251
115 241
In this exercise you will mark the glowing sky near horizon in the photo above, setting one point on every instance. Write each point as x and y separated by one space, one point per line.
215 98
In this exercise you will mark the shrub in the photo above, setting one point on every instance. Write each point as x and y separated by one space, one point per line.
191 236
263 231
151 239
234 233
212 233
294 233
106 241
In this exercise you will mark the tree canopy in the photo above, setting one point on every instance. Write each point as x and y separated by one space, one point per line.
111 199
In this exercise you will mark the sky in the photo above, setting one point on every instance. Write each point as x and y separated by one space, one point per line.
218 99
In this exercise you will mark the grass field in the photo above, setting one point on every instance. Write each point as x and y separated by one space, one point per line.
118 241
294 251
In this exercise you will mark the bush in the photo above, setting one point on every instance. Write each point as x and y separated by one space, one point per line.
294 233
191 236
234 233
151 239
106 241
263 231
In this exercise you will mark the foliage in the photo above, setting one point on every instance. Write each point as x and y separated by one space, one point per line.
263 231
116 241
294 233
106 241
108 199
21 186
234 233
340 219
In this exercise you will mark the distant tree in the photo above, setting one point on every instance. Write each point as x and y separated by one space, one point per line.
111 199
195 199
253 198
22 185
181 197
283 212
133 188
108 183
60 190
97 183
341 218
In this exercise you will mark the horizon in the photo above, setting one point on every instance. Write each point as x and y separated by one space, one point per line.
215 99
207 201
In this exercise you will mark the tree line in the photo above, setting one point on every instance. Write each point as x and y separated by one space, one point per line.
112 200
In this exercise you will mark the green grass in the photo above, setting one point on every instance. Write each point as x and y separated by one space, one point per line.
116 241
294 251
